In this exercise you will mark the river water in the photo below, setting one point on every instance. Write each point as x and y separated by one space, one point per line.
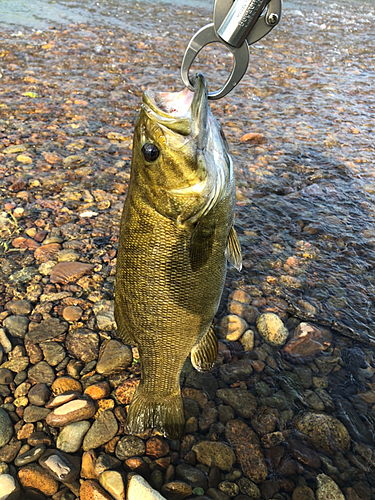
305 211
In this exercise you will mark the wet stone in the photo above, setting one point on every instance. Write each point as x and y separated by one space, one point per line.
157 447
106 462
9 451
104 313
48 329
70 438
303 493
6 428
83 344
216 494
30 456
79 409
66 384
41 373
35 413
5 343
327 489
72 313
17 364
16 326
212 453
115 357
195 477
102 430
130 446
53 352
235 371
39 394
249 488
66 272
232 327
6 376
62 399
272 329
19 307
113 483
33 476
242 401
59 466
307 342
176 490
98 391
247 340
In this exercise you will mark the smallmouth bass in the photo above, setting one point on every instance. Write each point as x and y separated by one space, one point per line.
176 235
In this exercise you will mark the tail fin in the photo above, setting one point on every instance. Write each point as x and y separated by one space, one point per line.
166 413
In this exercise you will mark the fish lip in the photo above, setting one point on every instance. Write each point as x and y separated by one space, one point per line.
199 110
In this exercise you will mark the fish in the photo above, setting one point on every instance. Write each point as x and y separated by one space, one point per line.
176 234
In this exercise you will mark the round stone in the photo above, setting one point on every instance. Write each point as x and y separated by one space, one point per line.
6 376
232 327
19 307
90 490
59 466
130 446
247 340
138 488
30 456
272 329
39 394
66 384
70 438
157 447
54 352
98 391
79 409
42 372
35 413
6 428
72 313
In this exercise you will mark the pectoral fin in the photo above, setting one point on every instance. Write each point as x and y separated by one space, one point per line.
204 354
233 250
201 243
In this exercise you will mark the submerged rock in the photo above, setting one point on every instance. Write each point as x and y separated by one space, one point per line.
138 488
327 489
307 342
214 453
272 329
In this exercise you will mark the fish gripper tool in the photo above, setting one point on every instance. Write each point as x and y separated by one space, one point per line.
236 24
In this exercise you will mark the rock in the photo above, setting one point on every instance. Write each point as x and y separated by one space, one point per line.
6 428
176 490
138 488
72 313
232 327
242 401
305 455
53 352
248 451
6 376
229 488
16 325
104 312
235 371
4 341
195 477
9 452
35 413
98 391
265 420
79 409
116 357
130 446
59 466
70 438
19 307
24 275
61 399
303 493
17 364
327 489
307 342
9 488
102 430
326 432
90 490
247 340
39 437
213 453
216 494
157 447
48 329
272 439
69 272
113 483
66 384
106 462
83 344
30 456
42 373
248 488
272 329
88 465
34 477
126 390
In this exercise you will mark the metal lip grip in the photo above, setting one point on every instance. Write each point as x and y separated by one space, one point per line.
237 25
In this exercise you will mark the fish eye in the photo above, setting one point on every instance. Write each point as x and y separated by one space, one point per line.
150 152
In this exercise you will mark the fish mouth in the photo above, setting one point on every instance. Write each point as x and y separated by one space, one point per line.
184 112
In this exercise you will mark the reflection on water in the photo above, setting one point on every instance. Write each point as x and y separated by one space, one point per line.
305 214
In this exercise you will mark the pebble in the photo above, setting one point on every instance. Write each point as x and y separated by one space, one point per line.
66 272
272 329
39 437
39 394
176 490
104 313
303 493
88 465
19 307
47 329
230 488
4 341
30 456
236 371
195 477
61 399
138 488
157 447
6 376
102 430
125 391
59 466
53 352
83 344
65 384
71 436
16 325
9 488
130 446
232 327
242 401
247 340
326 432
6 428
106 462
17 364
213 453
327 489
35 477
112 482
307 342
116 357
35 413
98 391
42 372
249 488
79 409
248 451
90 490
72 313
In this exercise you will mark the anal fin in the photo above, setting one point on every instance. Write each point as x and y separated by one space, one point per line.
204 354
233 250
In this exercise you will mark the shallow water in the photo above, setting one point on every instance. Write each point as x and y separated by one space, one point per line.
305 192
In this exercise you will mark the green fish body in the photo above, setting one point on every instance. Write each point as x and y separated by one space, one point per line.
176 234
